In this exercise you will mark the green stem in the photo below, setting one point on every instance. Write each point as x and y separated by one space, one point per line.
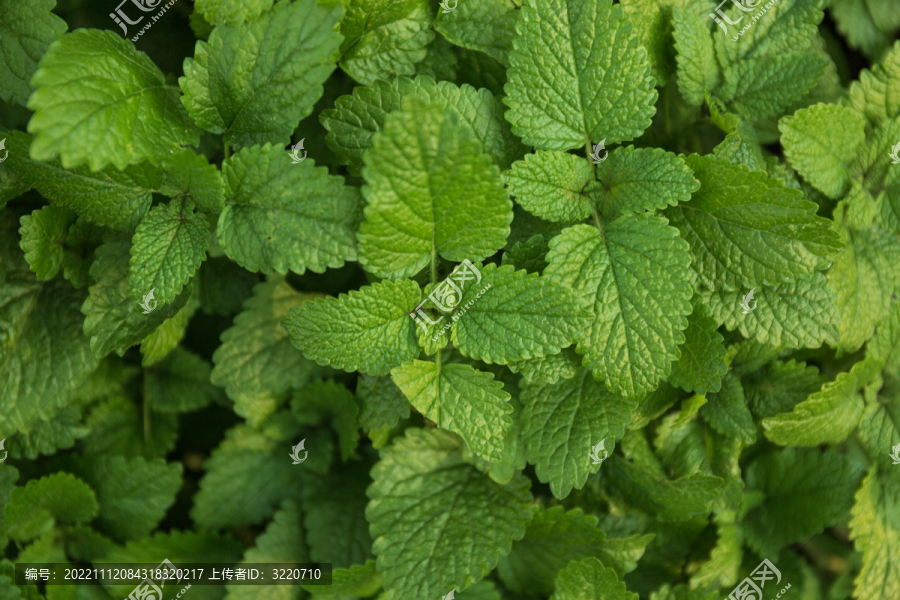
147 414
227 151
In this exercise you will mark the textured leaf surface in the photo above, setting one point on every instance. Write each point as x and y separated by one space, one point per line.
485 25
428 507
876 533
190 173
382 403
253 82
36 507
359 580
556 186
698 72
780 386
460 399
637 180
727 412
368 330
179 383
321 401
820 141
635 277
745 228
877 93
563 421
577 73
98 101
43 235
283 216
231 11
27 29
702 362
589 579
430 189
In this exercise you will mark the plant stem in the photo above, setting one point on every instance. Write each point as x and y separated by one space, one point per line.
147 414
227 151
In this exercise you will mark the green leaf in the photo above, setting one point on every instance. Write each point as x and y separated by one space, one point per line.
190 173
224 286
677 500
115 321
553 538
564 421
284 216
792 315
33 509
384 38
827 416
803 491
634 276
359 580
281 542
588 579
820 142
179 383
698 73
253 82
430 508
159 344
356 118
368 330
256 357
460 399
98 101
113 198
556 186
780 386
430 190
533 315
43 237
548 369
322 400
727 412
218 12
702 362
167 249
485 25
597 86
382 403
642 179
877 93
133 494
746 229
875 530
27 29
117 428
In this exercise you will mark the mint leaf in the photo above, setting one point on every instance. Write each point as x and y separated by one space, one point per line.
253 82
636 256
556 186
587 579
727 413
321 400
189 173
284 216
168 247
780 386
358 580
418 206
28 28
117 428
876 532
564 421
448 515
550 368
698 73
218 12
382 403
597 86
702 362
485 25
642 179
877 93
33 509
368 330
82 117
460 399
179 383
43 236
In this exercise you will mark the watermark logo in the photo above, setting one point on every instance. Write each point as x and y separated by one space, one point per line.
295 452
148 590
3 441
894 153
595 453
145 303
447 295
295 149
3 147
751 587
745 304
744 5
895 455
450 595
445 4
595 153
122 18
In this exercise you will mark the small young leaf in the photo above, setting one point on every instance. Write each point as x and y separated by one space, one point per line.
642 179
556 186
43 235
702 362
876 533
589 579
35 508
698 73
727 413
190 173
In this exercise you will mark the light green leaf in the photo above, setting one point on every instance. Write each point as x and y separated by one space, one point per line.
430 190
27 29
698 73
577 74
857 25
485 25
820 142
133 494
382 404
564 421
460 399
550 368
556 186
727 412
437 522
256 356
384 38
588 579
179 383
702 362
875 530
745 228
33 509
635 277
533 316
284 216
553 538
368 330
99 101
167 249
642 179
190 173
724 564
803 491
43 237
358 117
218 12
253 82
877 93
160 343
